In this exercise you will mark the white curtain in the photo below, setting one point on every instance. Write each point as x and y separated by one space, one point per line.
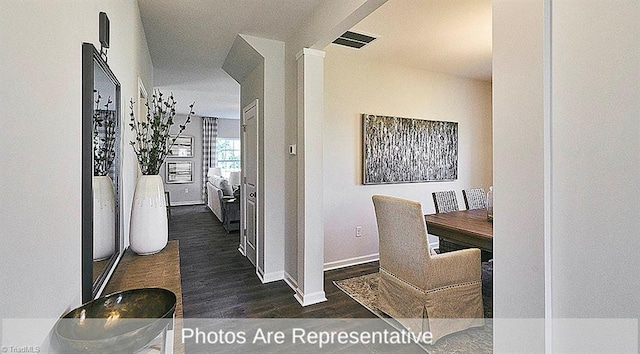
209 150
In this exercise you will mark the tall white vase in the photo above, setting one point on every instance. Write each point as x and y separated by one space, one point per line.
149 231
104 214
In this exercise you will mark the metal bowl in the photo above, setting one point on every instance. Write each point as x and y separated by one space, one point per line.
121 322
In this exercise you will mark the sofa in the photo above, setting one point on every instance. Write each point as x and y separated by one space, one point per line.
221 201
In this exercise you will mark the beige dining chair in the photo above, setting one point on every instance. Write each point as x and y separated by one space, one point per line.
441 294
474 198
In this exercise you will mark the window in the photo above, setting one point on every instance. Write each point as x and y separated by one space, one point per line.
228 154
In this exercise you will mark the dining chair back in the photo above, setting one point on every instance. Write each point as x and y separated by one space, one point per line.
474 198
424 292
445 201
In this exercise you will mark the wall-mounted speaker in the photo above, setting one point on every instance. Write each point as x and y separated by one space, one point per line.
104 30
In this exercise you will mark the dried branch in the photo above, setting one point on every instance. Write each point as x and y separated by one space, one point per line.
152 138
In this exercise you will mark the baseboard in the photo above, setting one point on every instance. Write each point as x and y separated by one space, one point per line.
351 261
270 277
293 284
310 299
186 203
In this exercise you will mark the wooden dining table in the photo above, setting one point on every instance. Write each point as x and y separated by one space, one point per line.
465 227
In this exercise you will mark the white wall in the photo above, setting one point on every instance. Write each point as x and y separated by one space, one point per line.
567 162
191 193
354 86
595 161
328 21
40 140
186 193
272 151
228 128
518 130
258 65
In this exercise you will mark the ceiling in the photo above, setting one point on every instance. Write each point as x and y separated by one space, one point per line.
449 36
189 40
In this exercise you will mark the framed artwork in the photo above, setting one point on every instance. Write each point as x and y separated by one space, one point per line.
179 172
403 150
182 147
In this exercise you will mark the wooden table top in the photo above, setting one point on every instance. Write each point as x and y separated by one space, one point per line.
160 270
471 222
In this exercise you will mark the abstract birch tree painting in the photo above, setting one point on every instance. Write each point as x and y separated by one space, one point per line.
402 150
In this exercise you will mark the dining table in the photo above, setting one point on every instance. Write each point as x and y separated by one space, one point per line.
469 228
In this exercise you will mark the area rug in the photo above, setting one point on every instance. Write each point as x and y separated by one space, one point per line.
364 290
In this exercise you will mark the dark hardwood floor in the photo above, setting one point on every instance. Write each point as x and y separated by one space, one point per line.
218 282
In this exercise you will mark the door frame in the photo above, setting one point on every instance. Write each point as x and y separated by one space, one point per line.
243 187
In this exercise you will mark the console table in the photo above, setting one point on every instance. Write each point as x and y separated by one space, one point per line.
160 270
231 214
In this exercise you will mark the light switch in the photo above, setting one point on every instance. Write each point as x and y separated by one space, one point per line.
292 149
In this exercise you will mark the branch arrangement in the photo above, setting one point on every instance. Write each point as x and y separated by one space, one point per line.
104 137
153 139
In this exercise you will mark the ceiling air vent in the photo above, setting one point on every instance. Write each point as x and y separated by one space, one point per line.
354 40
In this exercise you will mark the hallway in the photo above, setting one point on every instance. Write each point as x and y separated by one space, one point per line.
218 282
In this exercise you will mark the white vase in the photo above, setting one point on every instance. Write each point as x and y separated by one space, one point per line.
104 218
149 231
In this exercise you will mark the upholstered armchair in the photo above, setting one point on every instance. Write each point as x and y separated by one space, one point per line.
442 293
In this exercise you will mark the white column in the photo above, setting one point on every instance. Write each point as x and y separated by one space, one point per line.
310 206
519 133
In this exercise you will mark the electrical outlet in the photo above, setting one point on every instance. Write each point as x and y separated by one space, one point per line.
358 231
186 190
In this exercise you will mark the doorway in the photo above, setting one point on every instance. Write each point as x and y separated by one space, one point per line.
249 241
